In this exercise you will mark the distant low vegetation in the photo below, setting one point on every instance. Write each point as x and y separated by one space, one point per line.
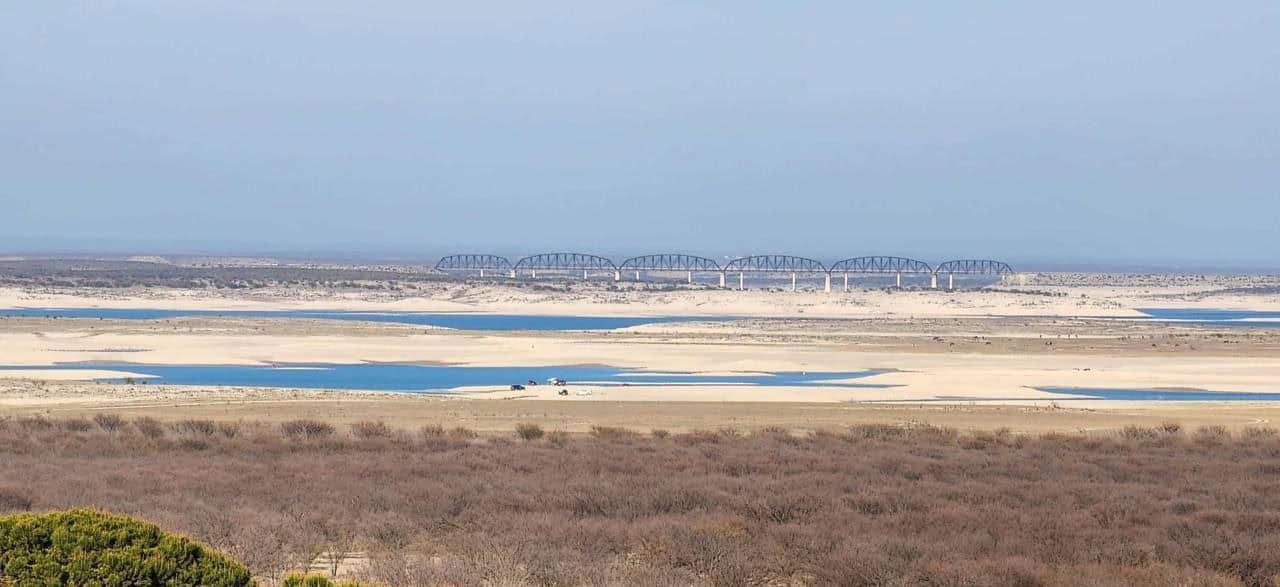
123 274
868 505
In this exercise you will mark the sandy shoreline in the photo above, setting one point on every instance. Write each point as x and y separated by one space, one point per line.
971 347
596 299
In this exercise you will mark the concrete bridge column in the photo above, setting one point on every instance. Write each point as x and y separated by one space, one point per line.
721 280
482 273
951 281
899 281
846 282
637 276
827 287
740 282
617 275
534 272
584 274
793 282
933 281
689 276
513 274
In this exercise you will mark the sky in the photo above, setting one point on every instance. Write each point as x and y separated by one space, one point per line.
1062 132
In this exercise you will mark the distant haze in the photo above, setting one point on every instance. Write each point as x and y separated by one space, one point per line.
1071 132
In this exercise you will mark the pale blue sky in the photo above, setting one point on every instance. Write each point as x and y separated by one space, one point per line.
1032 131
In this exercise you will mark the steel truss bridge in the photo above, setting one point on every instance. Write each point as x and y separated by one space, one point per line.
565 262
669 262
690 264
481 263
970 267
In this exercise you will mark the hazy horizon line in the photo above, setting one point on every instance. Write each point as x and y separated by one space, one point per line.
428 256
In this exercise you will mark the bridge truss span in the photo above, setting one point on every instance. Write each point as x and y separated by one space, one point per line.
669 262
474 262
970 267
880 265
775 264
975 267
583 262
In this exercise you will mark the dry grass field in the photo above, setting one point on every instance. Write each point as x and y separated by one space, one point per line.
867 505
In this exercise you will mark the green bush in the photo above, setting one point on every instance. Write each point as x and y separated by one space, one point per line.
88 547
296 580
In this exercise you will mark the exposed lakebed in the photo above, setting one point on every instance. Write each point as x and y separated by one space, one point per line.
456 320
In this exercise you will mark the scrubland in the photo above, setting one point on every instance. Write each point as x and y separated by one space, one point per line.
868 505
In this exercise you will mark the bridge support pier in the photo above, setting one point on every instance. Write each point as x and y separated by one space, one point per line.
721 280
846 283
899 281
951 281
793 282
534 273
933 281
617 276
637 276
513 274
741 282
827 286
689 276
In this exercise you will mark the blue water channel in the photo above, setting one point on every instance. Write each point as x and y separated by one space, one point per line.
1211 316
460 321
1161 395
438 378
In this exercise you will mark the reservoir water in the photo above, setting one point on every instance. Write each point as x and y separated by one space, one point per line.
1176 395
438 378
1212 316
457 320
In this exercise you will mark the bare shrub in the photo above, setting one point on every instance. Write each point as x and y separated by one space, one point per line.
369 429
659 433
462 433
432 431
1139 433
1212 435
528 432
229 429
694 437
77 425
194 443
109 422
1259 432
196 428
307 429
149 427
1171 428
34 423
12 499
614 433
876 431
558 438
